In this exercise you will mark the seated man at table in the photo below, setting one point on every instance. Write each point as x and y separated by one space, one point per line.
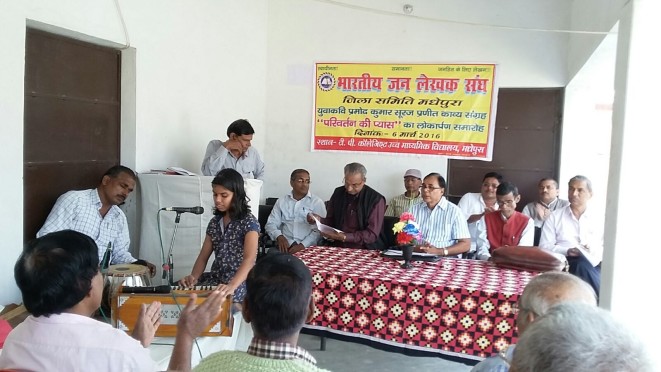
356 210
278 303
236 153
61 284
402 203
541 293
548 202
581 338
576 231
442 225
505 226
287 224
476 204
95 213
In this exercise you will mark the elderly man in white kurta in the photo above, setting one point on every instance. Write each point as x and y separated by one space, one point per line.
577 233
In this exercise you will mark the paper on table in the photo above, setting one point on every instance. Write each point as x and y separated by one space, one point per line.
325 228
181 171
395 252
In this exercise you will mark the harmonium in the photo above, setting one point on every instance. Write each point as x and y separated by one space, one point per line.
126 303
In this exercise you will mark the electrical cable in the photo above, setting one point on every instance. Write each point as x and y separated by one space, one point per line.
126 32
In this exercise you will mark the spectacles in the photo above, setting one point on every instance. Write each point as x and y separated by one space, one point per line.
430 188
301 180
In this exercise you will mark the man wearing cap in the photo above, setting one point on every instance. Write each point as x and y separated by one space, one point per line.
402 203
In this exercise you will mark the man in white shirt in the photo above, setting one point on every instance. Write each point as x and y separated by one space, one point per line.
236 153
574 231
476 204
287 224
548 202
61 284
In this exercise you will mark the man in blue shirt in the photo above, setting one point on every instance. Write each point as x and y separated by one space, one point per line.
287 225
442 224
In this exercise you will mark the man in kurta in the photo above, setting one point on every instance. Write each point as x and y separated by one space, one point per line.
505 226
576 232
356 210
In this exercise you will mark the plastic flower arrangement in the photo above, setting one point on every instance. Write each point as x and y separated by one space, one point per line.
407 230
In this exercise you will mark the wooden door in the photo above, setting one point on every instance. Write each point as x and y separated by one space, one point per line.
71 120
526 144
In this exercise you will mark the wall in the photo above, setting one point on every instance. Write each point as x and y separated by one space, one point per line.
591 16
333 33
197 68
588 114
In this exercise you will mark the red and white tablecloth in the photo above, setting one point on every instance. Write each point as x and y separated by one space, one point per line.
456 307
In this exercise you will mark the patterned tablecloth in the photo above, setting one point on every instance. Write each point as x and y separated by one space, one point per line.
460 308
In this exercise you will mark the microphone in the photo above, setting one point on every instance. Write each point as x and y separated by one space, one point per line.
194 210
157 289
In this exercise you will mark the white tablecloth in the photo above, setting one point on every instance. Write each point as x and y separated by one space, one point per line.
161 347
156 191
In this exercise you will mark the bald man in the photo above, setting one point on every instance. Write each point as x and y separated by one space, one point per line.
541 293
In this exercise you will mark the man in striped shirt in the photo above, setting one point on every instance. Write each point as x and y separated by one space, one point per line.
442 224
402 203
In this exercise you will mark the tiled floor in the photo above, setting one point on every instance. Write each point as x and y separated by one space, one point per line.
342 356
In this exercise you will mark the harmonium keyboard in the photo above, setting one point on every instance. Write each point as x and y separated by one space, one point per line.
126 302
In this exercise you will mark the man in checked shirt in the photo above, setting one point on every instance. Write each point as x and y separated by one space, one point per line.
95 213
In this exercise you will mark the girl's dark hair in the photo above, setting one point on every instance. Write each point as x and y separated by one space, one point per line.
232 181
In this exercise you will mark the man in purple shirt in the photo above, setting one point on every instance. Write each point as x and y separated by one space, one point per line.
356 210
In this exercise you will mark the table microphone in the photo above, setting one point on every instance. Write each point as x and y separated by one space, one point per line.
156 289
195 210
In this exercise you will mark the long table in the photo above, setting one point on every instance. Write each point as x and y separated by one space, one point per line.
453 307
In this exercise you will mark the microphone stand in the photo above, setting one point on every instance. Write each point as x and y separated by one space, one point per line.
170 264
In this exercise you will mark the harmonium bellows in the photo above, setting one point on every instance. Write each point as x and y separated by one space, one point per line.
125 308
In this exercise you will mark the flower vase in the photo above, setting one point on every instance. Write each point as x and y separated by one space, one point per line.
407 254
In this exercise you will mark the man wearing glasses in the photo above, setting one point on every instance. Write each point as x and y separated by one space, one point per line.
541 293
442 224
505 226
356 210
287 224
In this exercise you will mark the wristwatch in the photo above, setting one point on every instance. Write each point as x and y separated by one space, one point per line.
445 251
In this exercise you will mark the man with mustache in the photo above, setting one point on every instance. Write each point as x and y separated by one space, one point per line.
548 202
236 153
576 231
95 213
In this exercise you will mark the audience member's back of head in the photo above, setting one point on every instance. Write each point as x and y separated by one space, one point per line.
279 289
554 287
55 272
578 337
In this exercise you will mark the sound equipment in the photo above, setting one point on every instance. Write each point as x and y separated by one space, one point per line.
126 307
